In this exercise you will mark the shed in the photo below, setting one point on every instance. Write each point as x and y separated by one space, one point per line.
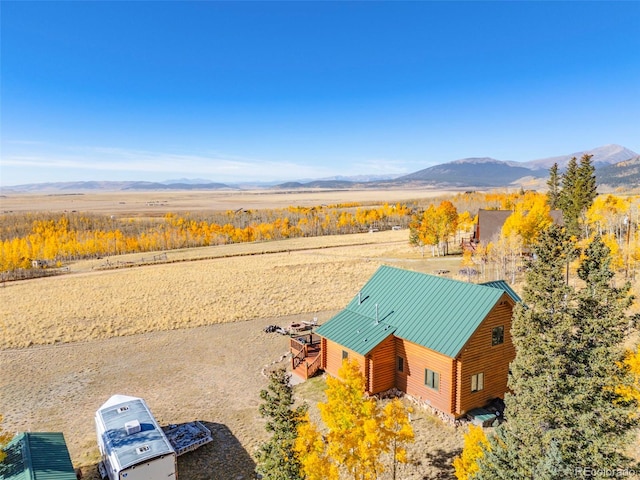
37 456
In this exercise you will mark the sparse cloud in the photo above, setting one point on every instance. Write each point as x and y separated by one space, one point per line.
380 166
80 161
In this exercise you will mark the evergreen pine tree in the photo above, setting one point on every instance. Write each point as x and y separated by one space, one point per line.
276 457
564 415
567 200
540 330
553 194
603 421
586 187
577 193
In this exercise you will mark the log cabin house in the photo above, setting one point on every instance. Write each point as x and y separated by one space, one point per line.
445 342
489 226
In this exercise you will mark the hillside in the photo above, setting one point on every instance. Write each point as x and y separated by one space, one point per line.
622 174
477 172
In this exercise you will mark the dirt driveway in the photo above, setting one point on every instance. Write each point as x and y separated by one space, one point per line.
211 374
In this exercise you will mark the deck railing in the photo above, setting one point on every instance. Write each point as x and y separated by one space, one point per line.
296 345
298 358
306 339
302 347
313 367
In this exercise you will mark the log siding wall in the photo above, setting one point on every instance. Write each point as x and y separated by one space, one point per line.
479 356
411 380
333 355
382 366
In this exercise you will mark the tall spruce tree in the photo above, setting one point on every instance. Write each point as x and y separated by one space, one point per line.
567 200
276 457
586 187
577 193
553 193
603 421
564 418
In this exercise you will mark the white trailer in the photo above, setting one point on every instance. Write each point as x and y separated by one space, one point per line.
132 444
134 447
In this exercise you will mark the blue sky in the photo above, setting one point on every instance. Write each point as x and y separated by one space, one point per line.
262 91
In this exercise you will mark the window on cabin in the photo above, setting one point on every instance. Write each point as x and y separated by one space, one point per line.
477 382
345 354
497 335
400 364
432 379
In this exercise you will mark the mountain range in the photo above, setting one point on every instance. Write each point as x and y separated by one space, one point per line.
616 166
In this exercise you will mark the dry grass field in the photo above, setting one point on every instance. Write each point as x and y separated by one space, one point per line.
161 202
234 282
187 336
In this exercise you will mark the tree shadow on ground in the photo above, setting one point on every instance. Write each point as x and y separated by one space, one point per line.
223 458
441 460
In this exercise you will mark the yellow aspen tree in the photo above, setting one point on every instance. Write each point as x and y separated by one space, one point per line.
631 391
617 259
311 449
475 441
399 432
505 254
423 229
481 256
357 434
5 437
465 222
528 219
467 263
345 415
607 214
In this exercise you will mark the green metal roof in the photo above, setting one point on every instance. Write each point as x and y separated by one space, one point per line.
435 312
37 456
356 332
502 285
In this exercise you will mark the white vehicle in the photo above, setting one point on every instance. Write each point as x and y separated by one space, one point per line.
134 447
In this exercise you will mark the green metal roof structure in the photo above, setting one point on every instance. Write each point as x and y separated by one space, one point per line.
435 312
37 456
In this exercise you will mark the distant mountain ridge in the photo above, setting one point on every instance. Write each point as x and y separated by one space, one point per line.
479 172
602 156
106 185
489 172
621 174
615 166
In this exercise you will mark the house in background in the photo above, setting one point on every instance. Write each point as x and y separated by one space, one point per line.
490 222
445 342
37 456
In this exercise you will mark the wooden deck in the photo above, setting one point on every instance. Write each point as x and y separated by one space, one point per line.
305 355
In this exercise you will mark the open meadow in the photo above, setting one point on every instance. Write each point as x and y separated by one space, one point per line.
155 203
187 336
